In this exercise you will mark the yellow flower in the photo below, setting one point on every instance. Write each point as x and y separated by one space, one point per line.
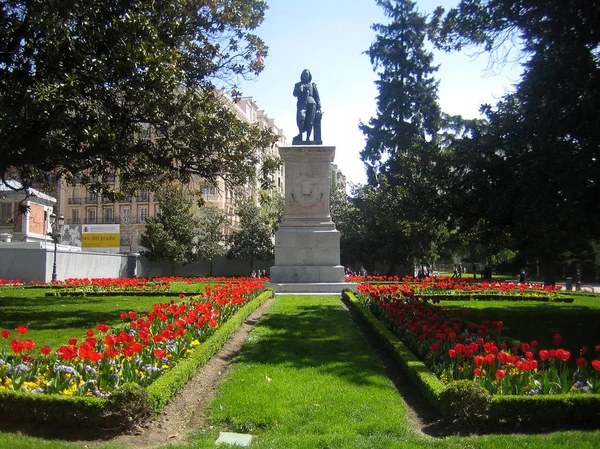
195 342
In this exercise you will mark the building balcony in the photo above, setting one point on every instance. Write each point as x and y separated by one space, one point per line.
74 200
91 200
144 198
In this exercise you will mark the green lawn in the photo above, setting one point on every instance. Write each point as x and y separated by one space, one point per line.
531 320
306 378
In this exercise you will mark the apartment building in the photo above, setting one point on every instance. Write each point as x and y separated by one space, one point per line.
81 207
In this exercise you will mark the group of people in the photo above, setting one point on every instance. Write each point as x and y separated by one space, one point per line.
362 272
459 270
259 274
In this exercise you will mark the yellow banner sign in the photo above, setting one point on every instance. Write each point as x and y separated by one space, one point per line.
100 240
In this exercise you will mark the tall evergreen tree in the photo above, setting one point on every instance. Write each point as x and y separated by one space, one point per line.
402 155
211 241
538 161
173 235
254 240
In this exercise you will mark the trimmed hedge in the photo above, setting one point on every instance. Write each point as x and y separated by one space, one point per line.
463 401
128 405
490 297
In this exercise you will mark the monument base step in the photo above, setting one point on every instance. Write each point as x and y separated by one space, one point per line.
311 288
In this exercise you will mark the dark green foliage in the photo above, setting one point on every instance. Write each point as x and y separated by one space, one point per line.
53 410
405 169
91 88
531 171
551 412
173 235
211 242
464 402
128 406
254 240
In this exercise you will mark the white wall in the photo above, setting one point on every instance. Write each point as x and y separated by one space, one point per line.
32 262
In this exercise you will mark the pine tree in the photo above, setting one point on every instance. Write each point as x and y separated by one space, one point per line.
402 155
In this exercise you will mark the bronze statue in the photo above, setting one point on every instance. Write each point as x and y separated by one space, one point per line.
308 115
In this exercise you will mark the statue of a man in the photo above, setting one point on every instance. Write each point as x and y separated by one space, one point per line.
308 115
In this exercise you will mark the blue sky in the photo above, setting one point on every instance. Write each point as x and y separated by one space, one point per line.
329 37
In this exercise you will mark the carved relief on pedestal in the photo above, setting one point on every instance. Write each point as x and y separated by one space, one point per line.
307 193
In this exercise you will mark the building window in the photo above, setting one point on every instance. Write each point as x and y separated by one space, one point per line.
6 213
209 190
75 216
142 197
92 198
125 215
143 213
108 216
91 216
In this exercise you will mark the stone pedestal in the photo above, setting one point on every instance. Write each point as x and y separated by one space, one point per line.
307 245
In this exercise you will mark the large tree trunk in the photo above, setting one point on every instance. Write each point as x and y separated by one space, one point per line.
549 265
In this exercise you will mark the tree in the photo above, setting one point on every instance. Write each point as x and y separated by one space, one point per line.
211 241
254 240
405 168
540 152
173 235
90 89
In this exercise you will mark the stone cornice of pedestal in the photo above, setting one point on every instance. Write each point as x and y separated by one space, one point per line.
303 151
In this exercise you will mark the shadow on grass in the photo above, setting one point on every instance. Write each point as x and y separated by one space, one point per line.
49 313
320 337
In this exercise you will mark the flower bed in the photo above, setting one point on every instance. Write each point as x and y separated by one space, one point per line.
113 375
455 347
469 379
106 359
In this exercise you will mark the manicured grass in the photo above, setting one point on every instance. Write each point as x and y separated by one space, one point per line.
53 320
306 379
525 321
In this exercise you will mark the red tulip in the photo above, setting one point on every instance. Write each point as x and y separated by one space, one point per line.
596 365
28 345
477 372
563 355
5 334
22 329
580 361
72 341
500 374
478 360
102 327
46 350
544 354
557 338
489 359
